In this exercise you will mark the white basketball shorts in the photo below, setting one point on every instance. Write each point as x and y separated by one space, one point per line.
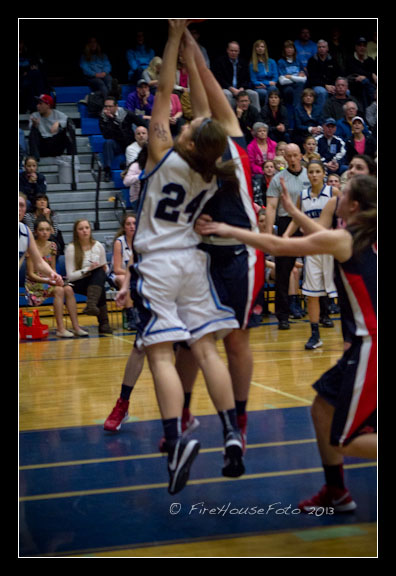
319 276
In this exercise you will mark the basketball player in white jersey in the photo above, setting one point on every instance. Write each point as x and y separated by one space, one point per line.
318 269
174 294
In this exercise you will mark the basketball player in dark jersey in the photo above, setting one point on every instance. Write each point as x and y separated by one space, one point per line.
344 410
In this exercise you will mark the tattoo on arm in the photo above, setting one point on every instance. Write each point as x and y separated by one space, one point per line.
160 132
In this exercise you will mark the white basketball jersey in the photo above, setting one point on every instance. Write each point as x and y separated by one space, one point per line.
172 197
312 206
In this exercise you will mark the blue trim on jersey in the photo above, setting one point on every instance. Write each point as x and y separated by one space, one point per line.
211 322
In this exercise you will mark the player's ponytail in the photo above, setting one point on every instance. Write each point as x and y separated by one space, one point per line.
363 189
210 141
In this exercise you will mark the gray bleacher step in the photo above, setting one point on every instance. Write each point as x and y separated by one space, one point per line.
81 186
71 216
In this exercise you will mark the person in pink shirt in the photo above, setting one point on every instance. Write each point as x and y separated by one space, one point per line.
261 148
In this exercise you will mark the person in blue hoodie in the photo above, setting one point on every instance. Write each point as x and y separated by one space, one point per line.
138 58
263 71
96 68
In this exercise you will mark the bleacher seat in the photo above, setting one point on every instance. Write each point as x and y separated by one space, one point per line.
89 125
68 94
96 142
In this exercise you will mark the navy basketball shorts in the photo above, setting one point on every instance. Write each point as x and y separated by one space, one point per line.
351 388
234 273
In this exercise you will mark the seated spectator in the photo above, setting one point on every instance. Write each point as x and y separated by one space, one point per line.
310 146
261 148
176 119
371 115
322 71
140 102
359 143
331 148
86 269
31 182
305 47
344 125
275 115
246 114
133 150
333 107
138 58
263 71
361 71
122 252
334 179
38 289
96 68
130 177
152 72
182 83
292 78
308 117
41 209
116 125
338 50
48 134
32 78
280 163
196 35
232 73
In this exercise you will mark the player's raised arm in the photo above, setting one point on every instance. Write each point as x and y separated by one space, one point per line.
219 105
160 137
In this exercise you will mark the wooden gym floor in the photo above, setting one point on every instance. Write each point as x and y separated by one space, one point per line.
88 493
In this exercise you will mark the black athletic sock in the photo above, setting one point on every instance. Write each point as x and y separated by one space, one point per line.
187 400
229 420
315 329
240 406
126 392
172 432
334 476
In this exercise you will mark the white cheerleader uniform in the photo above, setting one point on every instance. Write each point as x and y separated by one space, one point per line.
178 300
318 269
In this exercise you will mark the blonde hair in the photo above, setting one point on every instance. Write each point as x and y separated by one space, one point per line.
263 58
151 68
78 251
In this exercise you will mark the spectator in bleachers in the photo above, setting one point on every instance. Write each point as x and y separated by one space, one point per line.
359 143
32 78
333 107
140 102
138 58
232 73
41 209
132 151
176 119
292 78
261 148
305 47
96 68
38 290
371 115
275 115
308 117
344 125
152 72
263 71
117 127
310 147
130 177
31 182
331 148
337 50
196 35
361 72
48 130
86 269
322 71
122 252
247 114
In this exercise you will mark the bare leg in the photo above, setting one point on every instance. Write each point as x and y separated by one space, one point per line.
240 362
58 308
71 305
167 383
322 416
